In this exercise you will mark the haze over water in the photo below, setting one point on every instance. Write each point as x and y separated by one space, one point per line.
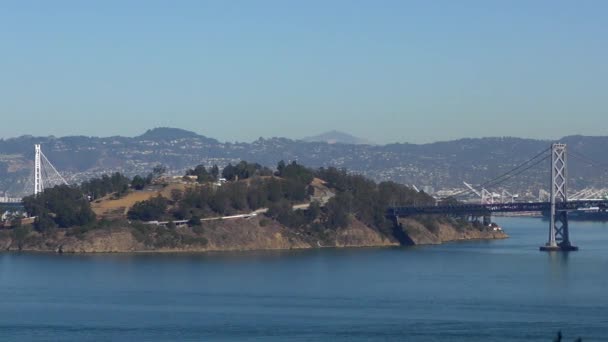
472 291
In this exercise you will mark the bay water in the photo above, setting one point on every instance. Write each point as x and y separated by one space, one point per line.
502 290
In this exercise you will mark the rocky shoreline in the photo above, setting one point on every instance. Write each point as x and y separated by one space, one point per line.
236 235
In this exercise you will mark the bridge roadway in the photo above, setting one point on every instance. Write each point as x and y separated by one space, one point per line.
484 209
11 205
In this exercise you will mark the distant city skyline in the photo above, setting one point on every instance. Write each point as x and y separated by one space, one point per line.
386 71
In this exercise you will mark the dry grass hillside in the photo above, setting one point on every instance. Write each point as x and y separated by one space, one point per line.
108 207
111 208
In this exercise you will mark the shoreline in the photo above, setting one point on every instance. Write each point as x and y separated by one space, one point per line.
241 235
244 251
184 251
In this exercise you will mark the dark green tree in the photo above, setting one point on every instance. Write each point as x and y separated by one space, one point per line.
337 211
229 172
99 187
201 174
65 206
138 182
158 171
215 172
151 210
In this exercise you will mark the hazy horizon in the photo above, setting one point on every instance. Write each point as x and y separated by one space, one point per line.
388 71
299 137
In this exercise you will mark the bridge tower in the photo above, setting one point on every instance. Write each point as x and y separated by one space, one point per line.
38 183
559 238
45 174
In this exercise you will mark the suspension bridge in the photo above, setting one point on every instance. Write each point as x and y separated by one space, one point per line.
44 176
558 206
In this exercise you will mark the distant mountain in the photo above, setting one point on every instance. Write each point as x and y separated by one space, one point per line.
337 137
167 133
438 165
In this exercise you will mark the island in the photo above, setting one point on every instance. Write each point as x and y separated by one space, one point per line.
242 207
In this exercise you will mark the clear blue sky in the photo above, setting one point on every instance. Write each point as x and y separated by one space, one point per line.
408 71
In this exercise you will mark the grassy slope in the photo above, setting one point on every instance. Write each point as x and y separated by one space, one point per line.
117 208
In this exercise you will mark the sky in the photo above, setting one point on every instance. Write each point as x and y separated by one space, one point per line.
388 71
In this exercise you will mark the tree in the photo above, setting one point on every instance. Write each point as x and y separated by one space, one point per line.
313 212
229 172
176 195
338 209
295 172
195 221
138 182
280 167
282 212
149 210
99 187
256 194
44 223
335 178
158 171
220 201
274 190
294 190
215 172
244 170
201 174
237 193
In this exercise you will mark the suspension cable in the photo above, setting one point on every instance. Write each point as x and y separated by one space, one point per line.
587 160
53 168
522 171
507 175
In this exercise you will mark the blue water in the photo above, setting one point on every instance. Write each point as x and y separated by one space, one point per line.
473 291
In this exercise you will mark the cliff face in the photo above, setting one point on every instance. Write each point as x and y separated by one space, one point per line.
440 232
232 235
359 235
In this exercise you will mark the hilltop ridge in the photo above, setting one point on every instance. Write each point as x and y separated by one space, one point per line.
167 133
438 165
337 137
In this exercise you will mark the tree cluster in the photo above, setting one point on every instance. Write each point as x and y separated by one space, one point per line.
139 182
253 187
99 187
62 206
151 210
202 175
355 196
364 199
244 170
257 188
283 213
295 172
233 197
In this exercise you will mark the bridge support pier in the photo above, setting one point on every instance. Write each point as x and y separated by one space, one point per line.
559 237
487 220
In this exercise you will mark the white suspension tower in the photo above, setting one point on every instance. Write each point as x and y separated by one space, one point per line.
43 168
38 185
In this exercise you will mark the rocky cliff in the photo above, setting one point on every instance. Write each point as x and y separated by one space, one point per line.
232 235
440 231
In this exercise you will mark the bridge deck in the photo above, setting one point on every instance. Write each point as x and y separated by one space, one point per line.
481 209
11 204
